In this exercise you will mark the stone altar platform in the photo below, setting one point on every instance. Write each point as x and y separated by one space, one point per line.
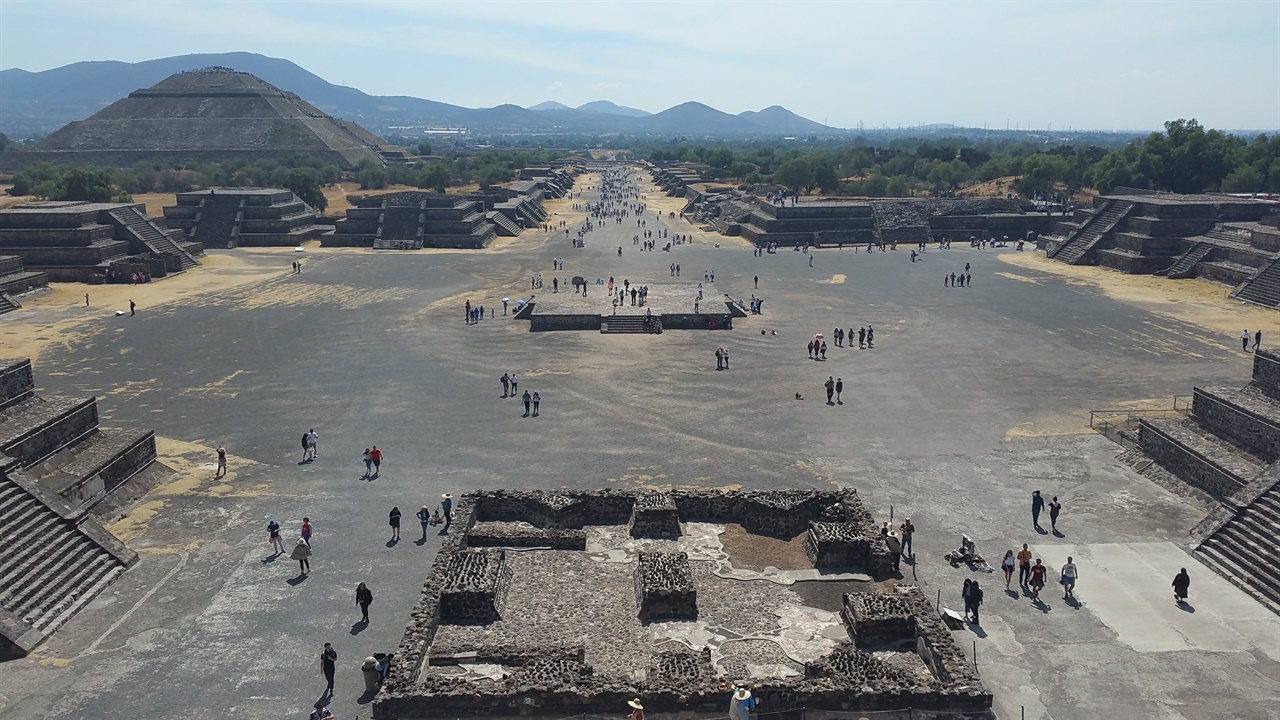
674 304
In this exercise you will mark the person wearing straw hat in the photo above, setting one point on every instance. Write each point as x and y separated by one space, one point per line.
446 506
741 704
637 710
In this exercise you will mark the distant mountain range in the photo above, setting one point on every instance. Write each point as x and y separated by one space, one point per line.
34 104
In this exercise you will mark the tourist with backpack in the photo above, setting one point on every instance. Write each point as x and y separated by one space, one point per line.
364 598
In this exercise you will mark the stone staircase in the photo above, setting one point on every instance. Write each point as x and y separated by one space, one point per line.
1185 265
1263 288
635 324
8 303
50 567
1077 246
145 232
1229 447
503 224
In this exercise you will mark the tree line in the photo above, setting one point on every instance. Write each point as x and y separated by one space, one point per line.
1185 157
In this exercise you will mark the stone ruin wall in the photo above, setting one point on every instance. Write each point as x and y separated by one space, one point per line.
664 587
552 678
477 587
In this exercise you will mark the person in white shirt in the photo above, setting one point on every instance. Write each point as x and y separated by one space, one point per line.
1069 575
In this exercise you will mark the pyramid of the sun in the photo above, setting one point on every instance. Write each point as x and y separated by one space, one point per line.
209 115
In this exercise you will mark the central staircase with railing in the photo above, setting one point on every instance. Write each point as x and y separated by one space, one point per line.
1185 265
1075 249
146 233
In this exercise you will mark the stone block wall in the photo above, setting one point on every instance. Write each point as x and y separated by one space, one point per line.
16 381
1188 465
55 423
654 515
505 534
1266 373
1226 419
476 591
664 587
873 619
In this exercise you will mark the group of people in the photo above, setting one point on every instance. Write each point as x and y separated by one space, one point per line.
476 314
511 387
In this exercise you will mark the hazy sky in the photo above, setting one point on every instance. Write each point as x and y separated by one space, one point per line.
1102 65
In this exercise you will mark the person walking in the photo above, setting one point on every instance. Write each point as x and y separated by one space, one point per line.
741 704
515 382
724 353
133 308
506 382
1244 340
313 443
273 536
527 400
1181 583
1055 507
966 594
364 598
894 544
907 529
368 463
1007 565
1038 574
222 462
839 388
446 505
830 385
1069 574
975 601
328 667
375 457
1037 504
536 400
424 519
1257 337
871 336
862 337
719 358
305 438
1024 565
302 553
306 530
756 278
393 519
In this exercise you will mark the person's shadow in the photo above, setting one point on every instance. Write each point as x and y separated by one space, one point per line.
1073 602
1011 593
839 402
1041 530
1186 607
830 402
977 630
296 581
1058 533
359 627
420 542
393 542
1040 604
270 559
443 531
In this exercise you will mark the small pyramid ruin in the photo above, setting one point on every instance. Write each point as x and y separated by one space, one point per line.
210 115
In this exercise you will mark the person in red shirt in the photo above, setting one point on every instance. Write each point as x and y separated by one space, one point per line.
376 456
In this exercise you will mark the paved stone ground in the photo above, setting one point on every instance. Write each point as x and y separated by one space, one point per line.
971 398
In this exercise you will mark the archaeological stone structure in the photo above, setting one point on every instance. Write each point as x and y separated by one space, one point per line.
634 603
836 222
1221 238
76 241
16 280
1228 448
57 469
243 217
203 116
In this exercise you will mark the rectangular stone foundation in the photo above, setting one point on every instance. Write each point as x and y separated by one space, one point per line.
664 587
477 588
654 516
873 619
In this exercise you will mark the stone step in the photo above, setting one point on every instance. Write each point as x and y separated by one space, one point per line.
1225 566
52 622
1249 565
38 540
58 572
617 324
1264 288
75 575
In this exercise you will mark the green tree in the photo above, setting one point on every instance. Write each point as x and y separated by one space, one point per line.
1244 179
796 174
305 183
87 184
1040 172
899 186
424 148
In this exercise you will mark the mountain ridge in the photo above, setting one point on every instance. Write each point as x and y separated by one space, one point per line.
34 104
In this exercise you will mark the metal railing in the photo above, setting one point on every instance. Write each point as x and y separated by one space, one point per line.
1120 424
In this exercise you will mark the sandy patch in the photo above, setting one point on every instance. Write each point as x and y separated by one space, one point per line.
1195 302
60 317
837 279
337 195
1020 278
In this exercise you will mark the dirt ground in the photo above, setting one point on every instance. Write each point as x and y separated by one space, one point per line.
1197 302
756 552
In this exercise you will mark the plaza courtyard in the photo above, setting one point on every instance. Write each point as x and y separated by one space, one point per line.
971 398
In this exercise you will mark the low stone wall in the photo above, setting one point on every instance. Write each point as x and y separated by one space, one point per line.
476 591
664 587
542 323
837 545
56 423
1189 466
504 534
654 515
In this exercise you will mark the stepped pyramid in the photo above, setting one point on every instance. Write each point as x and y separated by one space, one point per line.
209 115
